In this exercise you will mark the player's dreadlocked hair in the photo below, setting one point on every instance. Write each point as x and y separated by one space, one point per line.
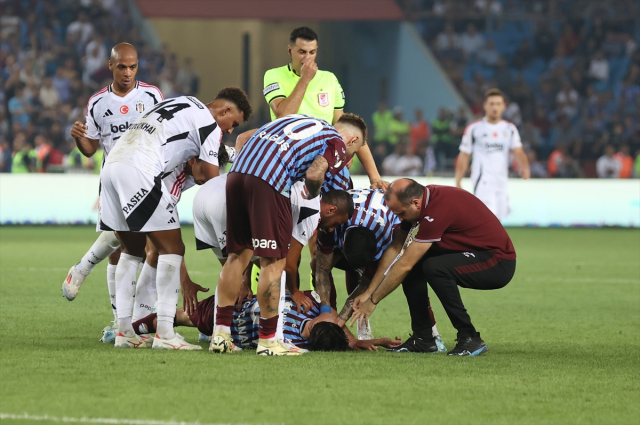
327 336
356 121
414 190
359 246
239 97
340 199
304 33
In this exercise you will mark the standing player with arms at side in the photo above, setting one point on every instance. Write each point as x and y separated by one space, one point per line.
108 115
134 201
301 88
490 140
259 210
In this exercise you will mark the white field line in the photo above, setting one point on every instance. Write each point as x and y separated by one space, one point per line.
85 420
579 280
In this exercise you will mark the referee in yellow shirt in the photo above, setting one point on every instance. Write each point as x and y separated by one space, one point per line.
300 87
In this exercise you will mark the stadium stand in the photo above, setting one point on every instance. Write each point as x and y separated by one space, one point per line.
571 70
53 57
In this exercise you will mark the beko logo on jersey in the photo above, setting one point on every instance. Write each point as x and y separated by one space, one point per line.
497 146
270 88
119 128
264 243
146 127
134 200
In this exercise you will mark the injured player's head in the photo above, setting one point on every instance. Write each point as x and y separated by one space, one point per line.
324 335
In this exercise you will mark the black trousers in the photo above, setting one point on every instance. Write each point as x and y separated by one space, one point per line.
475 270
417 293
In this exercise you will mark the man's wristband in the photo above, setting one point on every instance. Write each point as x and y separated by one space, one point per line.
325 309
371 299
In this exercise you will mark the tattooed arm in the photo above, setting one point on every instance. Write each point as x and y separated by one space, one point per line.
315 176
347 310
324 264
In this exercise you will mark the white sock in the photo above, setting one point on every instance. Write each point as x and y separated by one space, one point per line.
146 293
125 291
111 284
104 246
168 284
434 331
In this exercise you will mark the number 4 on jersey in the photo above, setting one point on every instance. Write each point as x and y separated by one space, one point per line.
166 111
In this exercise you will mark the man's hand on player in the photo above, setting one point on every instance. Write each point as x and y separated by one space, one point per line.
302 302
190 291
78 130
373 344
360 300
309 69
363 312
379 184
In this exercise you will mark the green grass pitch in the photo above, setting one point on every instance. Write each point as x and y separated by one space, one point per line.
564 340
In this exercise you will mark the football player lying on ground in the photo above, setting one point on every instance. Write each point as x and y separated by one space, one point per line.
182 178
358 247
304 329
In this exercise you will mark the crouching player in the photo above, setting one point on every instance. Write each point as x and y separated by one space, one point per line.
304 329
360 247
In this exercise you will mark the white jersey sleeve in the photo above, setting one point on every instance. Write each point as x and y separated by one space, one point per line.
514 141
93 132
305 214
210 138
466 145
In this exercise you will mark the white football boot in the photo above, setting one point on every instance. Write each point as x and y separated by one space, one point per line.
109 333
71 285
175 343
221 342
276 348
135 341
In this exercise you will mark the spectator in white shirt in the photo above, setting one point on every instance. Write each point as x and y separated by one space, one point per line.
448 40
567 100
81 29
471 41
402 162
599 67
488 55
48 94
607 166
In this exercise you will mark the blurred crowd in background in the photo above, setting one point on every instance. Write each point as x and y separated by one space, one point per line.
570 69
53 57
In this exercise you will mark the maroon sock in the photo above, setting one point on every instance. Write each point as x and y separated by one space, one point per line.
224 315
148 324
268 327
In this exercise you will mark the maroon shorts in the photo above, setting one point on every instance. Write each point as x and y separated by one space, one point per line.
258 217
202 317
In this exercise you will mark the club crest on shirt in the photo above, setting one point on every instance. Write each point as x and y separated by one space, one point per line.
323 99
140 106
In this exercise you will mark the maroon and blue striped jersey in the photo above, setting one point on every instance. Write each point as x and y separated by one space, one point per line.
281 151
371 212
338 181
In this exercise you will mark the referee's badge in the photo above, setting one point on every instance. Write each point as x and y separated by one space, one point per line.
140 106
323 99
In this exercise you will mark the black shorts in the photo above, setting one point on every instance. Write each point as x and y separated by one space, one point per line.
258 217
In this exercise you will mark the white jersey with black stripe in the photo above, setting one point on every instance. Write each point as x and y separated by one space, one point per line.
108 115
490 145
167 136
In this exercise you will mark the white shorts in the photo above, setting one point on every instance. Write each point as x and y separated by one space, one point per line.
494 196
133 201
210 216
